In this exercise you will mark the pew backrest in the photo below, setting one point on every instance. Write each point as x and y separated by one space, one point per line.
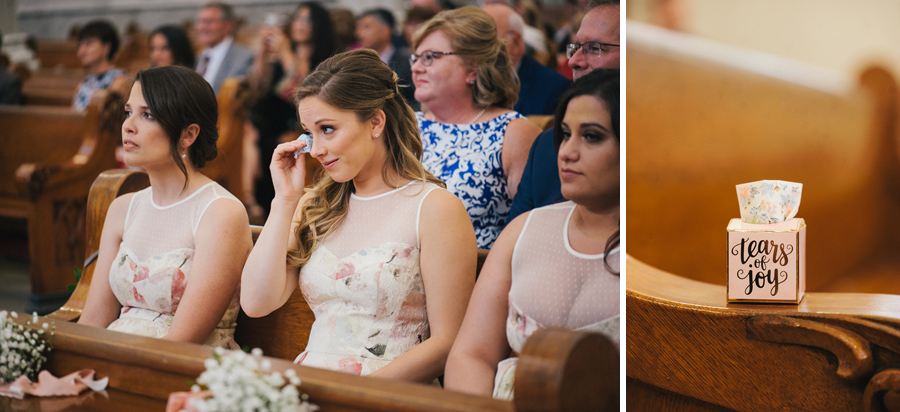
704 117
48 161
227 167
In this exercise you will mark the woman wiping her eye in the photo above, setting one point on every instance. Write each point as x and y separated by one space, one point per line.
373 241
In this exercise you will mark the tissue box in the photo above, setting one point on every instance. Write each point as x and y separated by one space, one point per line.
766 262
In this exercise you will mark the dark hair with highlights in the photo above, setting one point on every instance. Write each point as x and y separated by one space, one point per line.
179 97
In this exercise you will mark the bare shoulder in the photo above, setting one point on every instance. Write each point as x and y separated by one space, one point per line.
118 209
513 229
523 129
440 202
225 211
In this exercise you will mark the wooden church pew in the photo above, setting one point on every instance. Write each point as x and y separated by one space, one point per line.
52 86
227 167
704 117
689 350
48 160
559 370
58 53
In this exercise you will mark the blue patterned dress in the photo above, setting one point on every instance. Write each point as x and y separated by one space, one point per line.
468 159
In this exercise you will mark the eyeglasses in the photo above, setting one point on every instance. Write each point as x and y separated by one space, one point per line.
590 48
427 57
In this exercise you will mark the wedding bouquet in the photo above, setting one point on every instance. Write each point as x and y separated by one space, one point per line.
238 382
22 347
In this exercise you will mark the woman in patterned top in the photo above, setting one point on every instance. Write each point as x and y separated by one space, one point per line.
171 255
374 241
472 140
558 265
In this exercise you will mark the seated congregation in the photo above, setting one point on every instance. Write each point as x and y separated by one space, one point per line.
353 249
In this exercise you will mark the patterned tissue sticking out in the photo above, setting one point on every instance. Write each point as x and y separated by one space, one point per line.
769 201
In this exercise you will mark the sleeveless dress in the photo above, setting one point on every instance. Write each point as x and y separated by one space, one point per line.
468 159
153 265
364 285
555 286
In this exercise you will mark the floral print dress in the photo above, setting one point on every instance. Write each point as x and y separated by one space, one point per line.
554 285
153 265
468 159
364 285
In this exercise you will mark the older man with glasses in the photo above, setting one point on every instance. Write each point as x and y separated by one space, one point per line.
221 57
596 46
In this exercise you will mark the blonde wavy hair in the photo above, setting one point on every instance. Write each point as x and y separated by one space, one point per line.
473 35
360 82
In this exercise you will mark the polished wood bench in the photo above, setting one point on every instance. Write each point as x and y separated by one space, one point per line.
687 349
704 117
57 53
227 167
48 160
558 370
52 86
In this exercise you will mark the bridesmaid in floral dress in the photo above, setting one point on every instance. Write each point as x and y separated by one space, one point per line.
171 255
376 239
555 266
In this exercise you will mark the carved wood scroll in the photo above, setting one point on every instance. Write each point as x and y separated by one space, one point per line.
851 341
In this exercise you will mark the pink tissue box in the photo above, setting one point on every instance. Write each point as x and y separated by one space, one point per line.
766 263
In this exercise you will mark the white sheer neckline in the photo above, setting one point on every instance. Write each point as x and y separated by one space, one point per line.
357 197
569 245
191 196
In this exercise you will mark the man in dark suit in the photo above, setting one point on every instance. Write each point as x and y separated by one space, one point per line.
221 58
541 87
375 30
595 46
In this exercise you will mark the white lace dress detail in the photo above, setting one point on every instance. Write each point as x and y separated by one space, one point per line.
153 264
555 286
364 285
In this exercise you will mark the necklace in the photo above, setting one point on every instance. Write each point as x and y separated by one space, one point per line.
434 117
477 116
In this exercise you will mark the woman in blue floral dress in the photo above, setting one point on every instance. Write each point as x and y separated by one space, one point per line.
472 140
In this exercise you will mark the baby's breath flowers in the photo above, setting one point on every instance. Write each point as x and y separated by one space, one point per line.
22 347
241 382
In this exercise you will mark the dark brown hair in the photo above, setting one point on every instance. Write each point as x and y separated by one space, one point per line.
179 97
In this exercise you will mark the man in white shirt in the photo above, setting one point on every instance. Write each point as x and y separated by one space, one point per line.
221 58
